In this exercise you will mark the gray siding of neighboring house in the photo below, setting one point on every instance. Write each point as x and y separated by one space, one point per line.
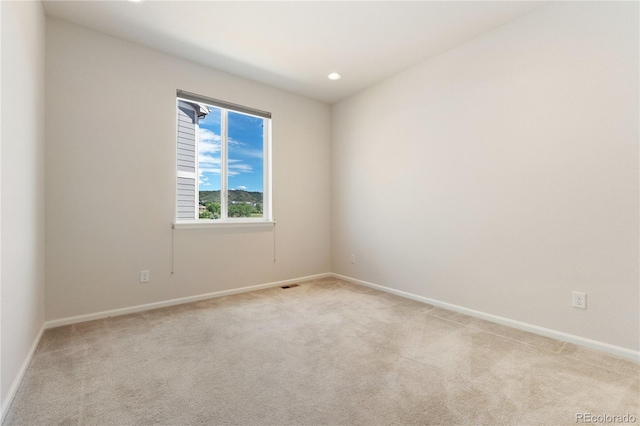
187 157
186 198
186 137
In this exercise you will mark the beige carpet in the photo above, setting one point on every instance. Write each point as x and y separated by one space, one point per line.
326 352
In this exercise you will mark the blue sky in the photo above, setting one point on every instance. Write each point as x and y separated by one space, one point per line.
245 151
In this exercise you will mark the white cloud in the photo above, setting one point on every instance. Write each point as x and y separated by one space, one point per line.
207 135
255 153
208 164
242 188
208 159
236 147
209 141
234 143
235 167
209 155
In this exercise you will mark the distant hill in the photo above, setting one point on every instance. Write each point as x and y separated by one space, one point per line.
234 195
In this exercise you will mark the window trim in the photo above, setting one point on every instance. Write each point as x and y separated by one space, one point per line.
222 104
267 219
236 224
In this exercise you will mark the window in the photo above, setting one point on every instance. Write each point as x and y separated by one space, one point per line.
223 162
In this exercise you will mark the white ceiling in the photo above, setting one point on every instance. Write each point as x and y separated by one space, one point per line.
294 45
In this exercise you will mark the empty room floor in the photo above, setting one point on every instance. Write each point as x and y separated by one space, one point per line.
325 352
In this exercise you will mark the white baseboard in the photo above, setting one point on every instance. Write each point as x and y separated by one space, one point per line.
8 398
156 305
558 335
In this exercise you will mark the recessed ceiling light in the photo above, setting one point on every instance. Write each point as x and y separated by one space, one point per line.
334 76
135 1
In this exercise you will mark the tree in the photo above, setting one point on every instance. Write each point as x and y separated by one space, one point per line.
213 207
205 214
240 210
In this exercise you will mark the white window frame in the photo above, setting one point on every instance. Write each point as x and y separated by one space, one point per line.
267 218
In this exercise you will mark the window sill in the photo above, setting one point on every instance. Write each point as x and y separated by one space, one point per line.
239 225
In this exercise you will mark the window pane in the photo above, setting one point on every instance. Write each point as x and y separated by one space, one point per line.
209 179
245 162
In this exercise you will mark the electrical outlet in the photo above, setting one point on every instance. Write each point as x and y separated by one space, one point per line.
579 300
144 276
353 258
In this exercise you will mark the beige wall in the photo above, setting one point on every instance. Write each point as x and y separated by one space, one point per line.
110 159
503 175
22 212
